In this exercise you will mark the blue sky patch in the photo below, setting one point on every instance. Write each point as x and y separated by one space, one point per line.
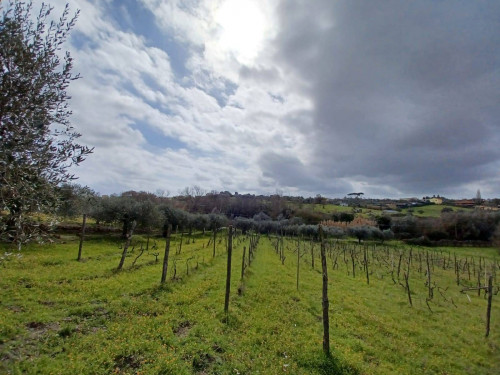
132 16
157 139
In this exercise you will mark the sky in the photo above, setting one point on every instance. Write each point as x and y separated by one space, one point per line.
305 97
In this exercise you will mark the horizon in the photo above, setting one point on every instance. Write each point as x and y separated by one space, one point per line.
283 194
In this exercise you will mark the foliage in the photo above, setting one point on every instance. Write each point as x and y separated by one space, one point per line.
474 226
217 221
384 222
343 217
244 224
75 200
261 216
37 141
405 227
115 209
362 233
149 216
310 216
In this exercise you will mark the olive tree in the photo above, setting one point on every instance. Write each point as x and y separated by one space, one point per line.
37 141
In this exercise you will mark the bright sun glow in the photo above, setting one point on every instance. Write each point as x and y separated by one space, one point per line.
243 28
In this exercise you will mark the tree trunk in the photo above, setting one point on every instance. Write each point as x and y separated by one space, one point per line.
165 257
82 234
125 228
127 244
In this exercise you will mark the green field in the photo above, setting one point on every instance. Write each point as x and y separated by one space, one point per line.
65 317
433 210
423 211
332 208
328 208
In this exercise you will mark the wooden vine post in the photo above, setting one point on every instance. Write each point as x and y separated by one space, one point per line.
365 254
243 262
298 264
312 254
488 310
228 275
215 234
326 321
180 243
431 293
489 291
167 252
82 234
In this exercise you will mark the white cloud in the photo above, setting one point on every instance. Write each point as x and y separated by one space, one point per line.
128 85
238 112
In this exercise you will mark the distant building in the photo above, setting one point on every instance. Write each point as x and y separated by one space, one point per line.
434 199
489 208
465 203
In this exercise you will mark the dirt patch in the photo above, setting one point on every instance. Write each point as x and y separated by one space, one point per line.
39 328
26 345
202 361
16 309
217 348
124 362
183 329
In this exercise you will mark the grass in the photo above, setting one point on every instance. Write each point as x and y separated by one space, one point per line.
66 317
423 211
433 210
333 208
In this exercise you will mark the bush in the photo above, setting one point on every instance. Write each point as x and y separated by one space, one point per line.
384 222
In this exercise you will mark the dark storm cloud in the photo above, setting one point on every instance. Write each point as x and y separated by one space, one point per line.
288 171
405 94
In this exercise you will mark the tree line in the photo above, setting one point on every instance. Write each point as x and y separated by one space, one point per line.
153 213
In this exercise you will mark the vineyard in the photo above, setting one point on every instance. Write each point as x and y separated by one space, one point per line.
392 308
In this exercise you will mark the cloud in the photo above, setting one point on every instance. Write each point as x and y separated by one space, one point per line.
288 172
403 93
387 98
